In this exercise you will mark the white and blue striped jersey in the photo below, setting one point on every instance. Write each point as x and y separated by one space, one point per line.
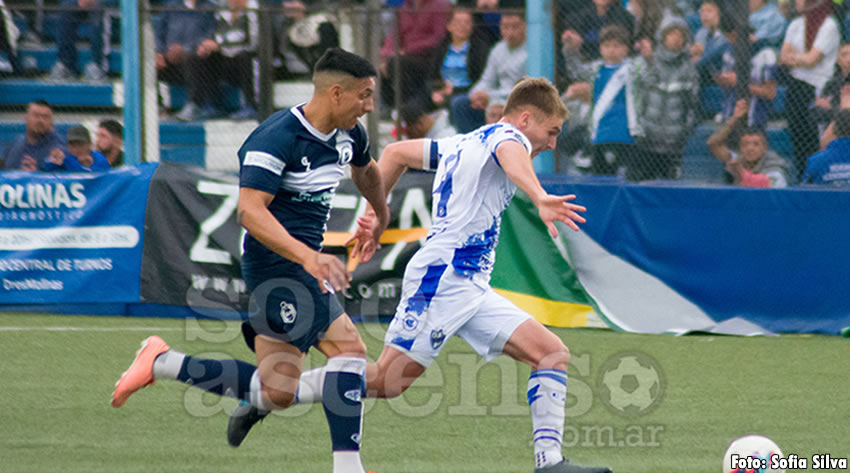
301 166
471 191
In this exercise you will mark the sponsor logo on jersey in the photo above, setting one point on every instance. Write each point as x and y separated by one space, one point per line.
287 312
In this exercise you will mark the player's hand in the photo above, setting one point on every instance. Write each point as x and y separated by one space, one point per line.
557 208
366 238
328 269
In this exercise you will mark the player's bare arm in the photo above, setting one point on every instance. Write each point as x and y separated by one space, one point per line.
516 162
395 160
253 214
369 181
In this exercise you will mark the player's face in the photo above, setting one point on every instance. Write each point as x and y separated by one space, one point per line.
356 101
752 147
542 133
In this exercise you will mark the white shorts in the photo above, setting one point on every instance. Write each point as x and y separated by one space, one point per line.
437 303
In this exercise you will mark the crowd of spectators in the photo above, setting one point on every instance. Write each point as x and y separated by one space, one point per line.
634 69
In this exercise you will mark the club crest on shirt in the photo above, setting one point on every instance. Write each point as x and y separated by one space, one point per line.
345 151
287 312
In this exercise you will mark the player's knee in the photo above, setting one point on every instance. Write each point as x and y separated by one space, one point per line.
557 357
280 399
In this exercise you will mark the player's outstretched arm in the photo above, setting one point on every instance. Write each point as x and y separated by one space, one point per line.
399 156
516 162
394 161
369 181
253 214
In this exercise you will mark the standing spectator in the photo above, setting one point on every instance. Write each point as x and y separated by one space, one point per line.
709 42
829 99
505 66
29 151
79 12
668 87
303 38
486 17
422 25
109 141
228 55
832 165
810 51
460 58
754 165
9 34
648 15
763 84
80 157
179 33
614 122
768 22
584 27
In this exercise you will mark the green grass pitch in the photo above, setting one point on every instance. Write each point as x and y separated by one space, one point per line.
57 375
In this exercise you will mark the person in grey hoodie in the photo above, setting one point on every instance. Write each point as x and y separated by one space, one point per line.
667 88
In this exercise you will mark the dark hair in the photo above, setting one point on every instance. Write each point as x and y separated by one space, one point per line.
338 60
842 123
539 93
727 23
753 130
41 102
112 126
615 33
412 111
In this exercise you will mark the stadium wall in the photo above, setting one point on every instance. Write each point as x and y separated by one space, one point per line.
162 240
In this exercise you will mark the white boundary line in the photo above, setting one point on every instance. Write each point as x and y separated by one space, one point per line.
99 329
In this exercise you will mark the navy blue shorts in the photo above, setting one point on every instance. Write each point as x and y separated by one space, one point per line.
287 305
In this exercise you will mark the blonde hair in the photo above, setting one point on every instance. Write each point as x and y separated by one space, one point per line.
539 93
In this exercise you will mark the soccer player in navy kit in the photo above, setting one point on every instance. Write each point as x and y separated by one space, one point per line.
290 167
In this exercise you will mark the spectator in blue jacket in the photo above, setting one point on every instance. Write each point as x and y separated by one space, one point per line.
709 42
178 35
80 156
79 12
832 165
28 152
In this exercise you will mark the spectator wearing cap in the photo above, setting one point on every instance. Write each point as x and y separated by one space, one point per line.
109 140
28 152
80 156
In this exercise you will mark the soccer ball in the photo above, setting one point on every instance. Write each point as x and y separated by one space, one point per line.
758 447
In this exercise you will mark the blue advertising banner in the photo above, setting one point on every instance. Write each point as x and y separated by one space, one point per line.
68 238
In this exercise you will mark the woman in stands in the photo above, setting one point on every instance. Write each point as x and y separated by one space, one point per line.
810 50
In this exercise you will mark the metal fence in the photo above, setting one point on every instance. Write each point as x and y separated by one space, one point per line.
651 85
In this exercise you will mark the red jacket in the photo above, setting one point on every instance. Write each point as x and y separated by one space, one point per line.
422 24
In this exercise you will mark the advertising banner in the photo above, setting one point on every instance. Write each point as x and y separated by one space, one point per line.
72 237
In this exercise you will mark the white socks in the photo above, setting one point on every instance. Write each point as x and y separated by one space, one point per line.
168 364
547 394
310 386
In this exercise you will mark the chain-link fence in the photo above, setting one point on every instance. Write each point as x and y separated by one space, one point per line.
656 89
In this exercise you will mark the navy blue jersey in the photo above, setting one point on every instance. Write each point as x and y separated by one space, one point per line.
301 166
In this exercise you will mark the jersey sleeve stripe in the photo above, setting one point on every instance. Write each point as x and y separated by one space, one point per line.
265 161
430 156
